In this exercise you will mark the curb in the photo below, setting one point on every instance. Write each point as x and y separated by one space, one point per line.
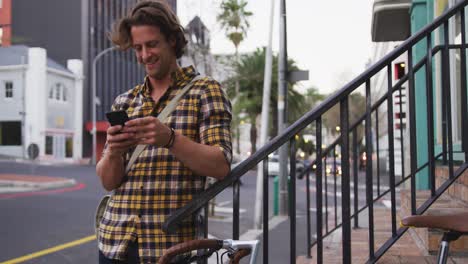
13 186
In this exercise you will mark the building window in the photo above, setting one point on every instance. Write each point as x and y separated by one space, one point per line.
8 89
51 93
49 145
1 32
1 3
69 147
57 92
64 93
10 133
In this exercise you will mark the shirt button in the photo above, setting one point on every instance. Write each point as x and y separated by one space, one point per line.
141 187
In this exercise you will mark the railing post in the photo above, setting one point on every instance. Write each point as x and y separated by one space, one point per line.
444 107
369 191
309 238
345 192
292 199
464 107
430 115
391 148
447 88
235 208
265 210
412 120
326 192
319 193
377 149
355 174
335 194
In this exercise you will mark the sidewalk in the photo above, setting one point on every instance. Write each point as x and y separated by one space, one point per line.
16 183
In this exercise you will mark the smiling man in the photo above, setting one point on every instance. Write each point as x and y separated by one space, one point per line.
194 142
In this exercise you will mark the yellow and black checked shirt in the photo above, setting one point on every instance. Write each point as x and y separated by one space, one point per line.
158 183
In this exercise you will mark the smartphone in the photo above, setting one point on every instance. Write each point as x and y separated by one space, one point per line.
117 117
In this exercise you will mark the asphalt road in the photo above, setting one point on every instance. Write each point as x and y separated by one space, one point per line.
37 223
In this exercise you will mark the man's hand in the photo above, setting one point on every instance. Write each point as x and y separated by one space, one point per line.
148 130
119 141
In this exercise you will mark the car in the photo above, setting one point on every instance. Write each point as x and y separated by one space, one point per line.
363 161
273 166
333 167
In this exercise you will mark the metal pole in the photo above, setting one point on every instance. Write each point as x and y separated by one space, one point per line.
93 100
282 111
264 123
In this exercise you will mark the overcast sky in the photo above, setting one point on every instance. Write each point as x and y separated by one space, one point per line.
330 38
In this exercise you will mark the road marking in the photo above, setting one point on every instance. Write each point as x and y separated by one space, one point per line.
227 210
77 187
50 250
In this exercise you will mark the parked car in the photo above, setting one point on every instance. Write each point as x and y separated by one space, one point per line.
333 167
273 166
362 161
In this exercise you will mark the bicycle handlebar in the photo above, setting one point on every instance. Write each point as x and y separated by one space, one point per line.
243 248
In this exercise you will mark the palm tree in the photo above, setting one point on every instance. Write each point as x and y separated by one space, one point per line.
234 20
249 73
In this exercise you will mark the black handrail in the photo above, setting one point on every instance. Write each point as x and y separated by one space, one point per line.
341 97
199 201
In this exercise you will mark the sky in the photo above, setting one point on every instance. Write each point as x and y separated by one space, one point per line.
329 38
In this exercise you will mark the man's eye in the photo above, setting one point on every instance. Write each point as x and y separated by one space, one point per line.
153 44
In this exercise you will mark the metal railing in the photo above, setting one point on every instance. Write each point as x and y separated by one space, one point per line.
348 143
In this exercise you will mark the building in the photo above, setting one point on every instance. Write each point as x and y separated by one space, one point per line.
394 21
5 22
81 34
41 104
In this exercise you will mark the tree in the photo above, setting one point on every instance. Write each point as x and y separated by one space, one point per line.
357 108
234 20
249 72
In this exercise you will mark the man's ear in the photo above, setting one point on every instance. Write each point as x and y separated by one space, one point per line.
172 41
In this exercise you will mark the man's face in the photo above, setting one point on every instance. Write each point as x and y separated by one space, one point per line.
153 50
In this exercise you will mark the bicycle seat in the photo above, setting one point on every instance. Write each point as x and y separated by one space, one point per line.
453 222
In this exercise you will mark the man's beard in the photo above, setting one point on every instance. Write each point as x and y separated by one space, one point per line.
161 72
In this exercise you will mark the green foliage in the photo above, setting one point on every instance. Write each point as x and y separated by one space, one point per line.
249 72
234 20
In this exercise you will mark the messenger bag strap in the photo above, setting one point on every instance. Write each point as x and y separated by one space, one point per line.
165 113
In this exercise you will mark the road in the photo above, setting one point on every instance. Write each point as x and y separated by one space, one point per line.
45 223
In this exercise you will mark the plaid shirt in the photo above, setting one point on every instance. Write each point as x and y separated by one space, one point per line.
158 183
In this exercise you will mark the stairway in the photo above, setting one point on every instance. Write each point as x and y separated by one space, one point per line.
417 245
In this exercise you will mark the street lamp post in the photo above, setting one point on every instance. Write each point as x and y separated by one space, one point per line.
93 131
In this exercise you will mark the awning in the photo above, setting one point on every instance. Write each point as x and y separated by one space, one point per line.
391 20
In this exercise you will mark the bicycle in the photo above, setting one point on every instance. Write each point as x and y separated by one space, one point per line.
235 250
454 226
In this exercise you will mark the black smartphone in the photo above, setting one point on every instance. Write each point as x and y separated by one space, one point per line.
117 117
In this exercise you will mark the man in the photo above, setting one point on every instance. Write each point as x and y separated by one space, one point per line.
193 143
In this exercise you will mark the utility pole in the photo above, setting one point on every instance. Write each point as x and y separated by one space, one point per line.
264 123
283 111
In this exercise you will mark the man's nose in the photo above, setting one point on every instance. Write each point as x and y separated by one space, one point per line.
144 54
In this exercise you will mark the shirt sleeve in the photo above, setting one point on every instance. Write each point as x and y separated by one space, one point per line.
215 119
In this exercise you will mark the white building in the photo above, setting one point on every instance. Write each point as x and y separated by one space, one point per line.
40 103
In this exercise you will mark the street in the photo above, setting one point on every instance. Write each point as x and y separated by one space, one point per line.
44 223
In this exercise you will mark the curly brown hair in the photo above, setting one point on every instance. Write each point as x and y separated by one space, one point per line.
152 13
